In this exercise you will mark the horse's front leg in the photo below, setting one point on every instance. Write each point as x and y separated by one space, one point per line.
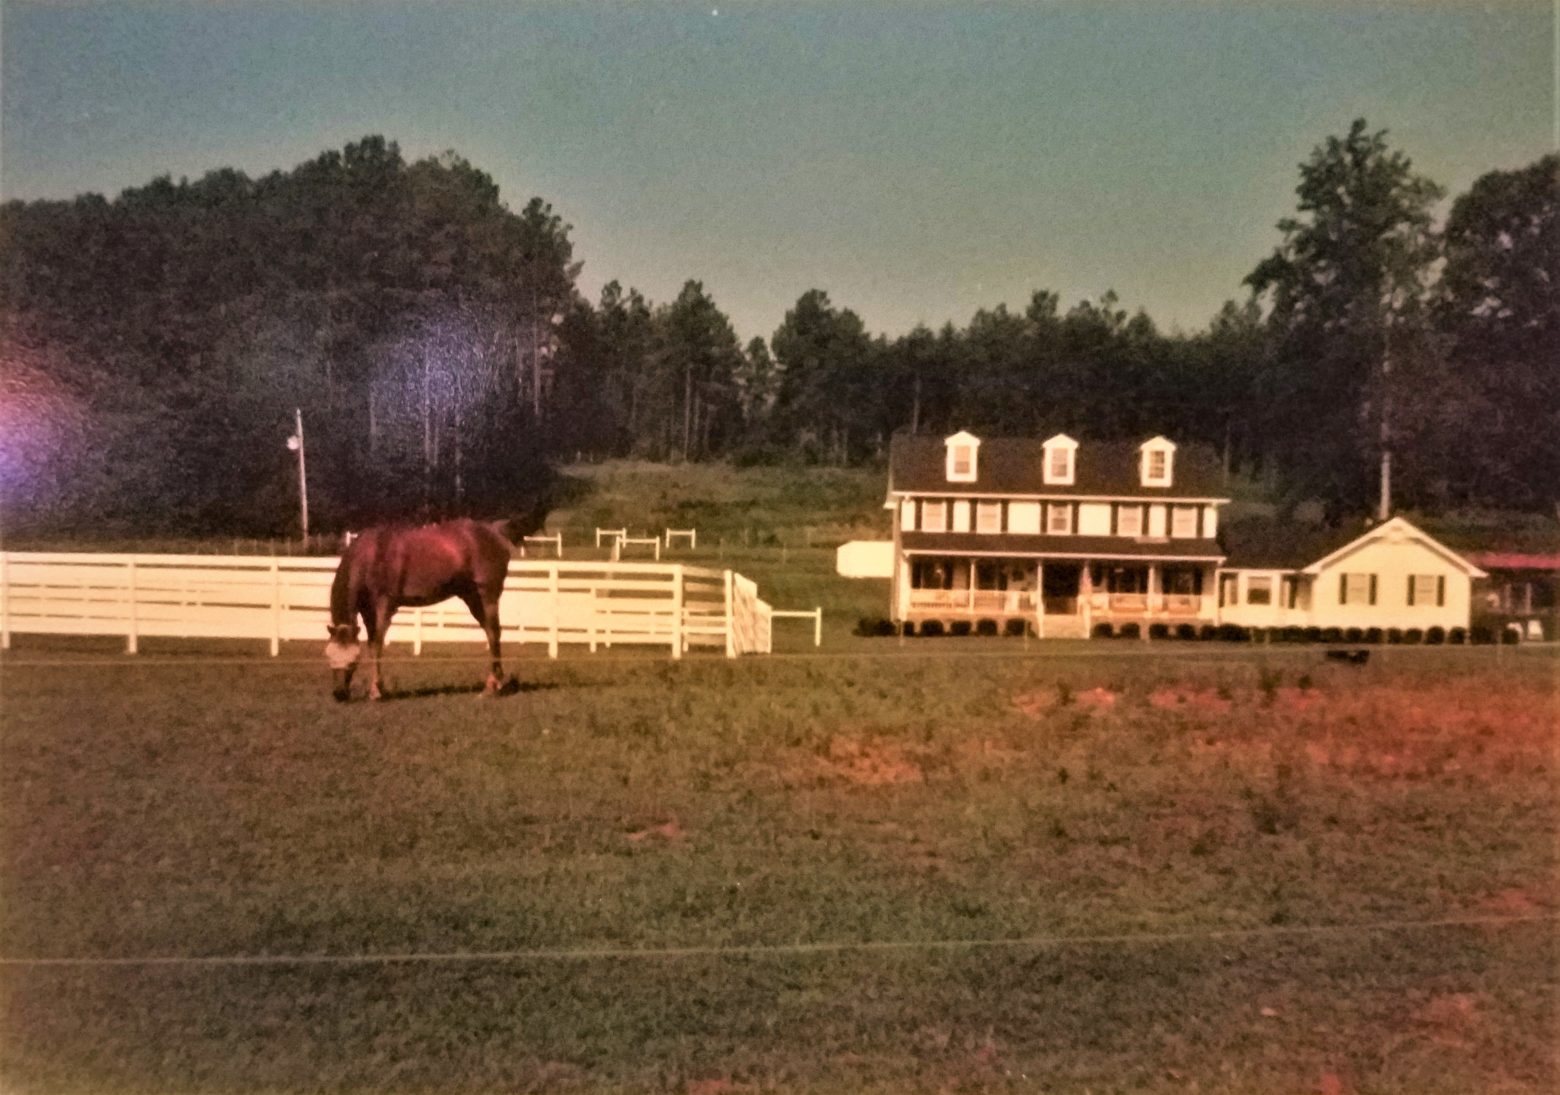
377 628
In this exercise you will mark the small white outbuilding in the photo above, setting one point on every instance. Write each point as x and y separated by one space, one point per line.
1394 575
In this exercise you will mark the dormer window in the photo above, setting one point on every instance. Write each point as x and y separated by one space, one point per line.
963 451
1157 459
1061 454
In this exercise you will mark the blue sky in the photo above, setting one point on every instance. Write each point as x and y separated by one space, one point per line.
916 160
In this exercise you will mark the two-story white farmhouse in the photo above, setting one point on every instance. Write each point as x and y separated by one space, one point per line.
1060 534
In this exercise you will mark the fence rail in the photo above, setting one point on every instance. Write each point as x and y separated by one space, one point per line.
280 599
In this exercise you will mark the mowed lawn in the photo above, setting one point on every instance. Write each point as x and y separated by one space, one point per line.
1212 870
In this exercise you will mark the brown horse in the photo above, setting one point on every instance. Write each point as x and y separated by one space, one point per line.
389 566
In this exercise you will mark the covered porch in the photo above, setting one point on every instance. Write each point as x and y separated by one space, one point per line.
1057 597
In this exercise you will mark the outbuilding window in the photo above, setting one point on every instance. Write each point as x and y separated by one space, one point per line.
1259 590
1357 589
1426 589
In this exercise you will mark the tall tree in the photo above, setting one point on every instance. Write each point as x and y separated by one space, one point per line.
1351 268
1499 307
823 397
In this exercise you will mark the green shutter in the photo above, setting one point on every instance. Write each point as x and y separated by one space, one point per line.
1343 589
1440 591
1372 589
1411 590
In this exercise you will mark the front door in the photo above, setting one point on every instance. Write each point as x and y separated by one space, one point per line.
1059 584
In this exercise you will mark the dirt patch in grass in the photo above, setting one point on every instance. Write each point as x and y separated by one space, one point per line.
1190 699
1453 1019
669 831
869 763
1397 733
1037 703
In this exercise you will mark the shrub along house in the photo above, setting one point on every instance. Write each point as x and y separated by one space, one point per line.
1391 577
1062 535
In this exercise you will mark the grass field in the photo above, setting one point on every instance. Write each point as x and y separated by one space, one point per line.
1175 848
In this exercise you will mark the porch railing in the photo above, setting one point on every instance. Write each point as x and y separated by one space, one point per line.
1145 604
1006 601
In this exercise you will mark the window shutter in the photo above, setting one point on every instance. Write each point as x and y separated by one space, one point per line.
1440 591
1115 514
1411 590
1372 589
1343 589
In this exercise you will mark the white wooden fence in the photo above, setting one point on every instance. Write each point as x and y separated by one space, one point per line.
278 599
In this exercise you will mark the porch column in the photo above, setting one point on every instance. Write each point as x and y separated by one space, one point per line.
1086 595
1039 598
1154 598
969 594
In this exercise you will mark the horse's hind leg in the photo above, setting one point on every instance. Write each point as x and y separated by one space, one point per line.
486 612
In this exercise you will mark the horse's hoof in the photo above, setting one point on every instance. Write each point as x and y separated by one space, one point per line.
342 695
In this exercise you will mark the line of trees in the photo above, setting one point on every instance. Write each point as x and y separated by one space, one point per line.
155 344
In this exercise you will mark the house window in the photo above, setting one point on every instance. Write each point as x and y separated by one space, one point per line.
931 574
961 462
1357 589
1058 464
1183 581
1058 519
1129 520
1023 517
1183 522
962 447
1119 579
934 516
1259 590
988 516
1426 589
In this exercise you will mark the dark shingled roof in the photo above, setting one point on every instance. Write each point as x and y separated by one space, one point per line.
1099 547
1262 544
1012 465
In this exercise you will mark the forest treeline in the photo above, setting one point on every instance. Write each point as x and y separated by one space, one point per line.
156 344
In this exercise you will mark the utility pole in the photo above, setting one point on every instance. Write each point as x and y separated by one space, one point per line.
1384 506
295 443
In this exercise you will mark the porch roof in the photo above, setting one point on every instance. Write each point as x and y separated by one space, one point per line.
1102 548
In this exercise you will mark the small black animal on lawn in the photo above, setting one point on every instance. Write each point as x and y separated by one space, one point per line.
1349 657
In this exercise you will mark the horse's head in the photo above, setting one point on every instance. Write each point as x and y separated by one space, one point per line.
342 652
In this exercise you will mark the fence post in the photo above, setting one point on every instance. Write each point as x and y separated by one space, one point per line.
677 611
417 619
818 625
552 624
131 644
5 602
731 619
276 608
